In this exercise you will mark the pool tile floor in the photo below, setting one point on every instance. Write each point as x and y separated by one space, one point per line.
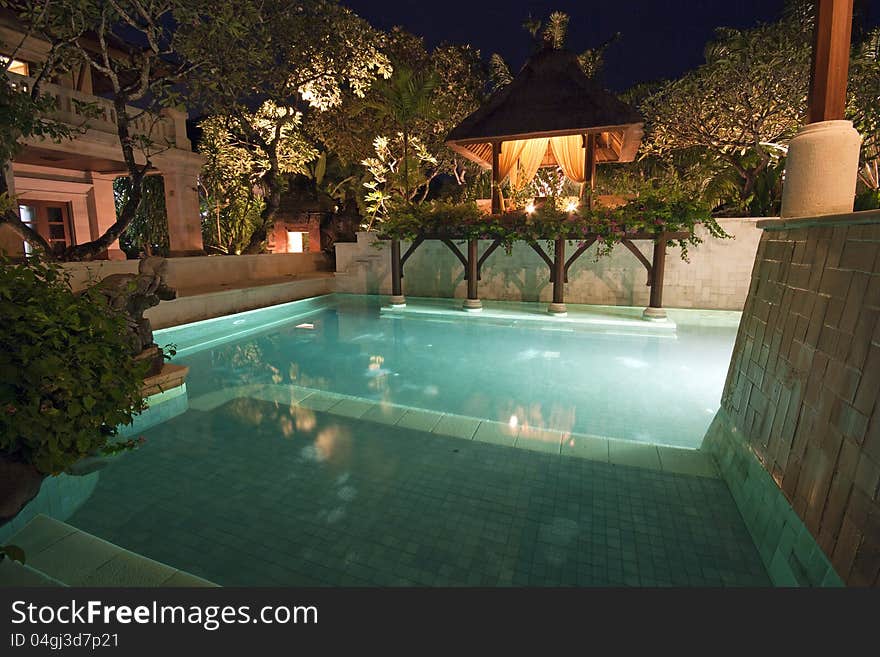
261 493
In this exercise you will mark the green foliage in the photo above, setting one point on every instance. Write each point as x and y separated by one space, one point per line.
863 109
229 186
295 59
23 116
652 213
148 231
733 116
66 377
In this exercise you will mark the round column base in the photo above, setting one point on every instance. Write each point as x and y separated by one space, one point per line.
821 169
654 313
398 301
472 305
557 309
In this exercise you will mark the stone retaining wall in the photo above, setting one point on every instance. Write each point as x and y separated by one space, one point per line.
802 389
717 276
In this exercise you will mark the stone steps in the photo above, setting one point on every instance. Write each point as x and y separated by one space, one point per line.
58 554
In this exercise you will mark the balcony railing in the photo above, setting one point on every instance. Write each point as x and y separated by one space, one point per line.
95 113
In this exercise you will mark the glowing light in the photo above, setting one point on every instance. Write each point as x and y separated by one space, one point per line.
571 207
513 422
530 208
305 326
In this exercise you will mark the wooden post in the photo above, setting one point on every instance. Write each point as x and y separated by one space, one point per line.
589 170
496 182
658 268
558 305
472 303
397 298
831 42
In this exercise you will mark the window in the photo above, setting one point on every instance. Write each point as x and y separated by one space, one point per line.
50 220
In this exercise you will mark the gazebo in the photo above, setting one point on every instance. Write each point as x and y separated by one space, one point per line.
551 114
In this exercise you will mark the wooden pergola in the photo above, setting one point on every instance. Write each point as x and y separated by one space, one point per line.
550 115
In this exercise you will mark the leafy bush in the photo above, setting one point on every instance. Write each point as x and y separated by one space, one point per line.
652 213
66 376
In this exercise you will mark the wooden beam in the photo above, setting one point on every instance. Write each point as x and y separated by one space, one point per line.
537 249
494 245
559 271
396 285
589 170
412 248
658 269
641 257
456 252
496 174
587 243
473 274
831 42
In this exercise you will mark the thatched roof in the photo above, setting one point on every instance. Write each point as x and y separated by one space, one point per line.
550 96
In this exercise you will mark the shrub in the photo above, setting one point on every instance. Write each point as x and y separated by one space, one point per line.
67 379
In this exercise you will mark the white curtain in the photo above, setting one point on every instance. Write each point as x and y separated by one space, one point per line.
569 154
530 161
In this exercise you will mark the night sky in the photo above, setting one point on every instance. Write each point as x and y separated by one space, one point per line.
660 39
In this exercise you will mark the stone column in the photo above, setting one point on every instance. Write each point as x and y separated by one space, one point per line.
821 170
102 208
182 209
823 159
10 243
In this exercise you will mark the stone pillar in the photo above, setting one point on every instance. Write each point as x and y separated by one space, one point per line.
178 120
182 209
11 244
821 170
102 208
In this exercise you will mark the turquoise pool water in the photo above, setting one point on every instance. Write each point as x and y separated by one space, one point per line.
244 490
661 388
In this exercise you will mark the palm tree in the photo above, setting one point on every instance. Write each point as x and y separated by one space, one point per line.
552 36
405 99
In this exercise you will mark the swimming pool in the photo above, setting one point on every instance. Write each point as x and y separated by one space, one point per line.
660 387
282 471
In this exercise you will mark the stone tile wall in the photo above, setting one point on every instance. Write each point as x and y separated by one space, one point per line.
805 376
717 276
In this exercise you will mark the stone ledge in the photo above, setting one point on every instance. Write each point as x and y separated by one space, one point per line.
171 376
58 554
848 219
649 456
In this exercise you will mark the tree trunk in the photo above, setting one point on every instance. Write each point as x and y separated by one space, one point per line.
25 232
95 248
272 183
19 484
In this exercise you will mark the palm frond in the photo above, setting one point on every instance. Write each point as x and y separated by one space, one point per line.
499 72
557 26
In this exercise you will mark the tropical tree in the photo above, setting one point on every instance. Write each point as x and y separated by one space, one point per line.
733 116
285 61
864 110
229 188
148 231
551 34
429 94
100 35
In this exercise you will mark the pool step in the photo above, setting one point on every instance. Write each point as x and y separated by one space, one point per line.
58 554
550 441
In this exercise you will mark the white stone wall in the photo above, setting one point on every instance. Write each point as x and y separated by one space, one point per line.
717 276
193 273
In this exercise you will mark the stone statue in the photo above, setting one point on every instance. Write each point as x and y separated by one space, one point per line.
132 294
